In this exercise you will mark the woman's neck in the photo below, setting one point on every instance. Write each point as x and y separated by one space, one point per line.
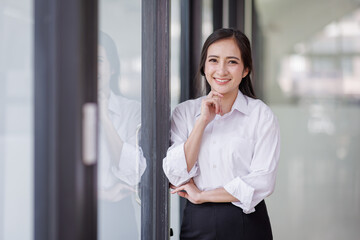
227 102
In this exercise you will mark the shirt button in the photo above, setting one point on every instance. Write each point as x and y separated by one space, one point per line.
214 166
214 142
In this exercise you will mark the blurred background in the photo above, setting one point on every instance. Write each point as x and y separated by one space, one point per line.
312 83
307 69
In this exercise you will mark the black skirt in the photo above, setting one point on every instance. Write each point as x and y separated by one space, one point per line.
224 221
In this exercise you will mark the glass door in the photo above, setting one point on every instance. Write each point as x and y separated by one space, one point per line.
134 114
101 119
121 162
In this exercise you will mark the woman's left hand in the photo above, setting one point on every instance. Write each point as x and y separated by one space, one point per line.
189 191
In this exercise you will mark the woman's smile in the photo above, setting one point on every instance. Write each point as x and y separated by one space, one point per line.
222 81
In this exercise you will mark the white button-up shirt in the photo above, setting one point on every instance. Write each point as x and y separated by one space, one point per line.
239 150
117 181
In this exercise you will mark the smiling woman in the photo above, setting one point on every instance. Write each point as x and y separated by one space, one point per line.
225 187
240 50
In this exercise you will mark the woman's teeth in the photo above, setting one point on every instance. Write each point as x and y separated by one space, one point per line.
222 80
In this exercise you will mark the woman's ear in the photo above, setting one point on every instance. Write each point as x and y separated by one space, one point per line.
245 72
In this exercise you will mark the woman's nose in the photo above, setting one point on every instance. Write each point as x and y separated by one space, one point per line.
222 69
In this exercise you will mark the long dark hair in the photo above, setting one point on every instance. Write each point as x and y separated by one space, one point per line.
244 45
112 54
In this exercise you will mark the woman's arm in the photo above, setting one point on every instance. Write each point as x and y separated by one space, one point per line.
180 162
192 145
114 142
127 161
194 195
210 106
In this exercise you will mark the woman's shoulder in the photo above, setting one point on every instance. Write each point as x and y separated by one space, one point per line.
190 104
189 107
258 107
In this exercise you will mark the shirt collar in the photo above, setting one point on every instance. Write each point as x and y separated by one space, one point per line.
240 104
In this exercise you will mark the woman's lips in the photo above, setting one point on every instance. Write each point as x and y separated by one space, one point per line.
221 81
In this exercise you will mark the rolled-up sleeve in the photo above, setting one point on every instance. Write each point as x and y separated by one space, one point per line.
260 182
174 164
131 166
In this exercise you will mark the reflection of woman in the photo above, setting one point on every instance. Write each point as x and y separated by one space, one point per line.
225 149
119 118
120 162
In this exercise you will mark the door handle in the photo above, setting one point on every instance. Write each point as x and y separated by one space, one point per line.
89 133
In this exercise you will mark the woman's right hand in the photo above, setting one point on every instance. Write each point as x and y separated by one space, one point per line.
210 106
189 191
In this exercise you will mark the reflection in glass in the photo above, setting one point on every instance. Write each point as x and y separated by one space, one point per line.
121 162
175 97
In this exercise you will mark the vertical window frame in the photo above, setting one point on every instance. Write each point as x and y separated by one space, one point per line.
155 118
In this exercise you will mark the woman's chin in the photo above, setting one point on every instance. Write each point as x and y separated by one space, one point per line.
219 89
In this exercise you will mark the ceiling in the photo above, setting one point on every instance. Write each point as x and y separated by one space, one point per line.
287 22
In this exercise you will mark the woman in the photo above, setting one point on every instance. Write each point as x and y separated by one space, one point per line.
121 163
225 148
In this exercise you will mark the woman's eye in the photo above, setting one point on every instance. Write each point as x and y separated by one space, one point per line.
233 62
212 60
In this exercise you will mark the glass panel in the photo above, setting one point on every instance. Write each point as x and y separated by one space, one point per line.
16 119
312 83
121 163
175 97
207 25
207 29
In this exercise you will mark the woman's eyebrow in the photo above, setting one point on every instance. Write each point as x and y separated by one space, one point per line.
234 57
214 56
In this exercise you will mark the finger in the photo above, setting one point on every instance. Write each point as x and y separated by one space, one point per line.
175 191
220 108
172 186
213 106
218 101
183 194
210 103
178 189
216 104
214 93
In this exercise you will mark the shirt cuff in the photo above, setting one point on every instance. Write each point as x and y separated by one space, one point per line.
243 192
175 166
131 166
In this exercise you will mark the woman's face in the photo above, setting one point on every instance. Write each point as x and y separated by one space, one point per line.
224 68
104 71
